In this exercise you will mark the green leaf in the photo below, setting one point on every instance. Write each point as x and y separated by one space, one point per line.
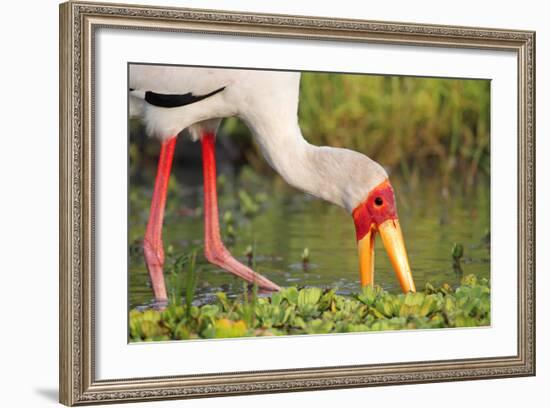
290 294
309 296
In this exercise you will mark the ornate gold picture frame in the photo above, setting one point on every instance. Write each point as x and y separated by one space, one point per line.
79 22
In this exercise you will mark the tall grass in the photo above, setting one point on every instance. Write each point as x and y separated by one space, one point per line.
185 263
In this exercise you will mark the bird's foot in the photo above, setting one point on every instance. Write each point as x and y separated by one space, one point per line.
220 256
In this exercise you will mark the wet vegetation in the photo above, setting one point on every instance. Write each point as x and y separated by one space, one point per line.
317 311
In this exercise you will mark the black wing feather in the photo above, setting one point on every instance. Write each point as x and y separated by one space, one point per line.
174 100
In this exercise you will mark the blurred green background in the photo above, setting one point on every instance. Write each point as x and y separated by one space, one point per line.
411 125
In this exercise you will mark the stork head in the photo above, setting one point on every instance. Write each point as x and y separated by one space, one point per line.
361 186
377 213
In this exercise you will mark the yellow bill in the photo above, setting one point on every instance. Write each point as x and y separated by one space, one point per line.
392 238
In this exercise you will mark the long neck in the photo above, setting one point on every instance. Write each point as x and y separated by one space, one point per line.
324 172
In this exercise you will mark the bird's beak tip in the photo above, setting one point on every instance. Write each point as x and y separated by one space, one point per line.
392 237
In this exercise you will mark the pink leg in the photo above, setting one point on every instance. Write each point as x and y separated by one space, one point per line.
152 243
214 249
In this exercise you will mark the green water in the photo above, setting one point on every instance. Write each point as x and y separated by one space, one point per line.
289 221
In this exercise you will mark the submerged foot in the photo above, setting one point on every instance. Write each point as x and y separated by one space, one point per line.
220 256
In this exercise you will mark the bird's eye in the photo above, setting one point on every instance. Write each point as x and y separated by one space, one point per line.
378 201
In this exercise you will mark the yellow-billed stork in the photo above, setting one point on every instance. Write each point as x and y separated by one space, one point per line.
170 99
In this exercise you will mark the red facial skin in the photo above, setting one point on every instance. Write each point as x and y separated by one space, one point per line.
371 213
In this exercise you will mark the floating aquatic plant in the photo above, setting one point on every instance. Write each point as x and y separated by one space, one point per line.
305 256
457 252
249 253
228 218
248 206
294 311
